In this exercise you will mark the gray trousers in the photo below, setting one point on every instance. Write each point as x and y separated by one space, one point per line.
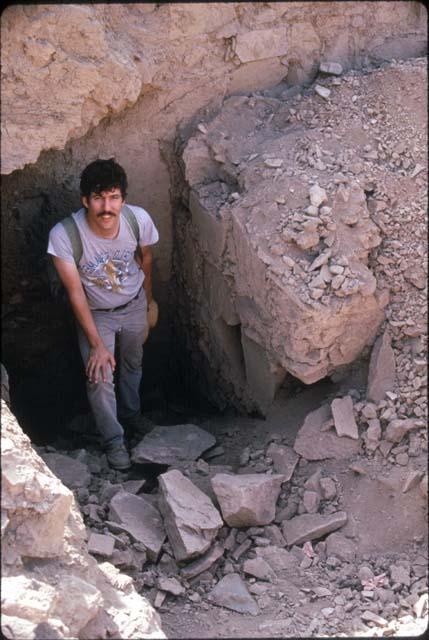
129 326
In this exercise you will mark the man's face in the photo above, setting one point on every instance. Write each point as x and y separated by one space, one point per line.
104 209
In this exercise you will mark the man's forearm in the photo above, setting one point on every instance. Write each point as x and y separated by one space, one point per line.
83 315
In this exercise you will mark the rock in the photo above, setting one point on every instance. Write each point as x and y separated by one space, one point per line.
4 378
249 499
416 276
365 573
382 371
259 569
287 512
344 421
101 544
317 195
172 445
278 559
202 480
242 548
331 68
328 488
231 592
108 490
35 504
273 162
324 92
128 559
140 519
203 563
412 480
274 535
397 429
190 518
373 433
30 599
260 44
73 473
313 482
171 585
402 459
420 608
423 486
311 501
45 522
284 459
400 574
341 547
370 616
159 599
313 444
133 486
80 600
311 526
369 411
385 447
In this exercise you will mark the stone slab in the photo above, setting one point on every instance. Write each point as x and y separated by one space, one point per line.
382 371
101 544
258 568
203 563
332 68
341 547
279 559
140 519
231 592
172 445
284 459
314 444
311 526
344 420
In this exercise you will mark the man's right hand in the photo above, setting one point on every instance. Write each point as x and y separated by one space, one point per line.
99 359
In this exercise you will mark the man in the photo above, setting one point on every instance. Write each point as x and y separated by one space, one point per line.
109 292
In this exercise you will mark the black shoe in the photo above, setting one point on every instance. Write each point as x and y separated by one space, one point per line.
118 458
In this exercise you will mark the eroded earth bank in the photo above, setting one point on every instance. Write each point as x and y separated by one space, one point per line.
304 213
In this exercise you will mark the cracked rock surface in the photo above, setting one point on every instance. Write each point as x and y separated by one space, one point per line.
288 204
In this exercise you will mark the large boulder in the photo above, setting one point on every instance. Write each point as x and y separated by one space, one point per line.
247 500
291 249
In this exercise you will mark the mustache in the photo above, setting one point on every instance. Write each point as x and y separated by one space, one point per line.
106 213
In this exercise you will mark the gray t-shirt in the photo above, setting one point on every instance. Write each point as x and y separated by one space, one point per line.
109 272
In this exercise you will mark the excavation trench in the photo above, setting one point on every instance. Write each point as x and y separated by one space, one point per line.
182 381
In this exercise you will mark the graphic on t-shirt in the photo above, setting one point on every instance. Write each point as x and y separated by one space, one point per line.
107 271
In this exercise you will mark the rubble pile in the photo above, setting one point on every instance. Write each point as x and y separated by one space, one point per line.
246 538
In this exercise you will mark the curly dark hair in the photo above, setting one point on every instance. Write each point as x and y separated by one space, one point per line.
103 175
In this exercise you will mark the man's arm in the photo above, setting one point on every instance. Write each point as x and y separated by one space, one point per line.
146 266
99 356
